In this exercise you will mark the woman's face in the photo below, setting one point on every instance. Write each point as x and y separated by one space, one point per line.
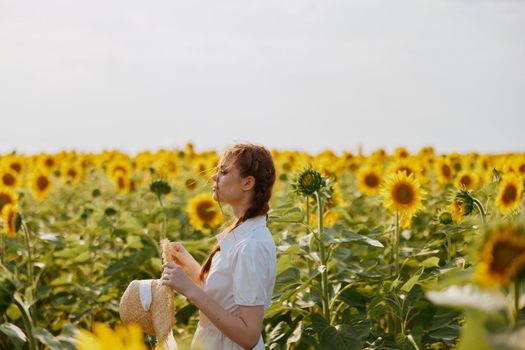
229 186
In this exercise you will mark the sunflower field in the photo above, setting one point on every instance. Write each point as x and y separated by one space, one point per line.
379 251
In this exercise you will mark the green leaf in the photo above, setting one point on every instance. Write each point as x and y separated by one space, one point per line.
285 214
134 242
412 281
296 334
17 336
340 337
430 262
317 323
329 236
46 338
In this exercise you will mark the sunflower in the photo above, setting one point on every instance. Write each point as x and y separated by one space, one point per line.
9 178
47 162
502 256
7 197
167 166
519 165
40 184
71 172
119 166
9 216
203 212
509 195
401 152
103 338
466 179
308 181
122 182
402 193
369 180
444 170
16 163
462 205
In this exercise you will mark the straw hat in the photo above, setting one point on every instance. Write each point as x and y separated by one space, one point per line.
150 305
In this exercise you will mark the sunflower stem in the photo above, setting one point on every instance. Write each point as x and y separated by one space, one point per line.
309 262
516 296
449 248
396 243
29 260
2 247
322 255
480 209
28 323
164 220
91 264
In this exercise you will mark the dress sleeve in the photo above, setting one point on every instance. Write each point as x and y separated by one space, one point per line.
250 274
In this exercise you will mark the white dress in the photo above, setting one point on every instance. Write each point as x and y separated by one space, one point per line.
242 272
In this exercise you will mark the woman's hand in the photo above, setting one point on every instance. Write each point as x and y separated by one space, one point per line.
175 278
181 256
184 259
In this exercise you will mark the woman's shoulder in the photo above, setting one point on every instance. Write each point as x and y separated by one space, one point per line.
260 240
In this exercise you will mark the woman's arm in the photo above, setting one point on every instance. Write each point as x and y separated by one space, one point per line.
244 329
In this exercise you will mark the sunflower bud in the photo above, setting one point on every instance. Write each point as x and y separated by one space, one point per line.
160 187
308 181
496 176
467 202
462 205
445 217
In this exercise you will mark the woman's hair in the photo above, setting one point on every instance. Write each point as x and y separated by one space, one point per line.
251 160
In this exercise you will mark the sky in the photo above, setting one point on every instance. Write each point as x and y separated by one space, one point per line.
299 75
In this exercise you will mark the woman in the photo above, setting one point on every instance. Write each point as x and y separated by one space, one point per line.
233 288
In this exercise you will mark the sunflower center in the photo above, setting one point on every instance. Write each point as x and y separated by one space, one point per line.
522 168
50 162
503 255
403 193
446 171
466 180
4 200
371 180
8 179
205 211
71 173
11 219
16 167
510 193
120 182
42 183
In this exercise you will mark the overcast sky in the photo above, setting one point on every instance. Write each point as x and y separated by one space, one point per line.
304 75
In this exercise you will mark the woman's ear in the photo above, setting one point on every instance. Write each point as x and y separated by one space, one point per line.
248 183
